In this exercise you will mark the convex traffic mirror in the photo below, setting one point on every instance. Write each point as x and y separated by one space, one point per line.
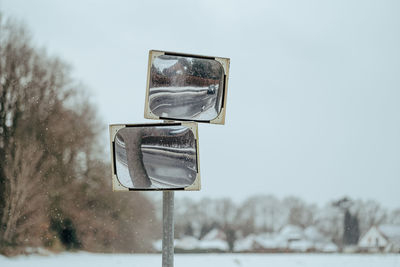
186 87
155 156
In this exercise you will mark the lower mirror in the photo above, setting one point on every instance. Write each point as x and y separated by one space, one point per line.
155 157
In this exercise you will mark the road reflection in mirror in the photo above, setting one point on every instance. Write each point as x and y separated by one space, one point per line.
156 157
183 87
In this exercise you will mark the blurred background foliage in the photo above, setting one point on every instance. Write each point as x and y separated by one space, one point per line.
55 189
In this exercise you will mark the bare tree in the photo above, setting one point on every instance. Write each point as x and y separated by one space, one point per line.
25 208
394 217
300 213
53 181
369 213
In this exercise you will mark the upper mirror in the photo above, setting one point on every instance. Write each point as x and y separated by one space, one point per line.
155 157
182 87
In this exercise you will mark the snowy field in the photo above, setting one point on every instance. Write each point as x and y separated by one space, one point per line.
197 260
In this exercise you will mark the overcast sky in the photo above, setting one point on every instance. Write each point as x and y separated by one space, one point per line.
314 88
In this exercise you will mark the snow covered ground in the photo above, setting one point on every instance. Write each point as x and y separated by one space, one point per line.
197 260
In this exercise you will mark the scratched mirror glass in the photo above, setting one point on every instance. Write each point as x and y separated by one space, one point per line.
156 157
186 88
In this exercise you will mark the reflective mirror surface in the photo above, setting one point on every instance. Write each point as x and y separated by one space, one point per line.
156 157
187 88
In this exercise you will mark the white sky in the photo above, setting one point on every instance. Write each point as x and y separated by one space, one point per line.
314 88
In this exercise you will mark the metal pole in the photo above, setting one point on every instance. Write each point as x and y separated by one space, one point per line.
168 229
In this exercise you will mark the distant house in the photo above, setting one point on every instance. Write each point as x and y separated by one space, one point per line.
293 236
215 234
319 241
290 238
384 238
213 241
186 243
270 242
261 243
328 247
296 240
313 234
291 233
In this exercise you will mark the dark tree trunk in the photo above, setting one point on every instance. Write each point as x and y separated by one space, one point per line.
133 141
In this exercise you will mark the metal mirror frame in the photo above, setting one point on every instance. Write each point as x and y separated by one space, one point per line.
117 186
225 62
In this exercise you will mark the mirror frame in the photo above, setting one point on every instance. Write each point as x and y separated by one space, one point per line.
225 62
117 186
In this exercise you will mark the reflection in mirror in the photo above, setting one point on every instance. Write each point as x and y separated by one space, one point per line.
156 157
187 88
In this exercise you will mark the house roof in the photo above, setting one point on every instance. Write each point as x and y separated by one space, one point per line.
373 238
215 234
187 242
291 232
245 244
383 234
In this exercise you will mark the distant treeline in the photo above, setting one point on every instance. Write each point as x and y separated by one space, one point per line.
342 221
